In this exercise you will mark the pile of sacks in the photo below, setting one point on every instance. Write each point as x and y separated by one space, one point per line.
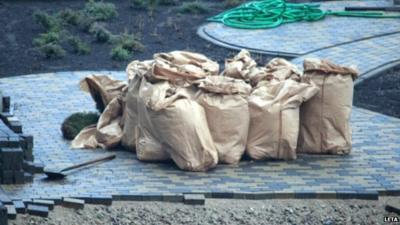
178 106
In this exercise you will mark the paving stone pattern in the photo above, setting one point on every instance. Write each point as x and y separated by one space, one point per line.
44 100
366 42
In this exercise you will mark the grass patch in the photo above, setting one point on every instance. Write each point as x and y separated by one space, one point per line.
100 10
49 22
79 47
69 16
193 8
119 53
74 123
100 32
51 37
125 45
52 51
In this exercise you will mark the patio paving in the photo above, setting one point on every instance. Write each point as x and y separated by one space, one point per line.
44 100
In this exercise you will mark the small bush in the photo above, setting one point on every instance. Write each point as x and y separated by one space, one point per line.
119 53
193 7
52 50
70 17
49 22
100 32
129 42
100 10
74 123
50 37
85 22
79 47
232 3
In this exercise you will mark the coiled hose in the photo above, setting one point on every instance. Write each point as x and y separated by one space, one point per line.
273 13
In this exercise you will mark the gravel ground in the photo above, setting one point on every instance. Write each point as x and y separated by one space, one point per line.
219 212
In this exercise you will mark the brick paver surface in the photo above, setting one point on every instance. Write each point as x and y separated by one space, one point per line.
44 100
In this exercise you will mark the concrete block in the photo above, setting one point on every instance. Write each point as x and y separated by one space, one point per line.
194 199
16 126
19 206
38 210
172 197
73 203
3 215
19 177
28 177
393 205
7 177
49 203
11 212
99 200
11 158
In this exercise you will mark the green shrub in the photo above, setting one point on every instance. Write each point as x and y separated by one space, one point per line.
49 22
70 16
129 42
79 47
100 10
119 53
74 123
232 3
50 37
85 22
193 7
52 50
100 32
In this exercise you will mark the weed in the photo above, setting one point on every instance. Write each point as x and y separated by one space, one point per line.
79 47
129 42
100 32
74 123
70 16
85 22
49 22
100 10
50 37
119 53
52 50
138 4
193 7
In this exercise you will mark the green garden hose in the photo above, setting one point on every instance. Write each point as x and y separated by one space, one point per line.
273 13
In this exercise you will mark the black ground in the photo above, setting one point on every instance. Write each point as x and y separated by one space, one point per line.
164 31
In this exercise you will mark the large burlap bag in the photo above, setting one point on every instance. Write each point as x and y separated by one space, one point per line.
274 118
181 65
277 68
182 126
240 66
102 88
108 131
224 101
325 118
148 146
135 71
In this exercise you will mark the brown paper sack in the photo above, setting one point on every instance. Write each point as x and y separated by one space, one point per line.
107 133
325 118
274 118
182 125
102 88
224 101
240 66
148 146
135 71
277 68
180 65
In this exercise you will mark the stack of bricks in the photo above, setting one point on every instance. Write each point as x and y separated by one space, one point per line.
16 156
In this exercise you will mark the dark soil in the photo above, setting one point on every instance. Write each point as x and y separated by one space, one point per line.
164 31
380 93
